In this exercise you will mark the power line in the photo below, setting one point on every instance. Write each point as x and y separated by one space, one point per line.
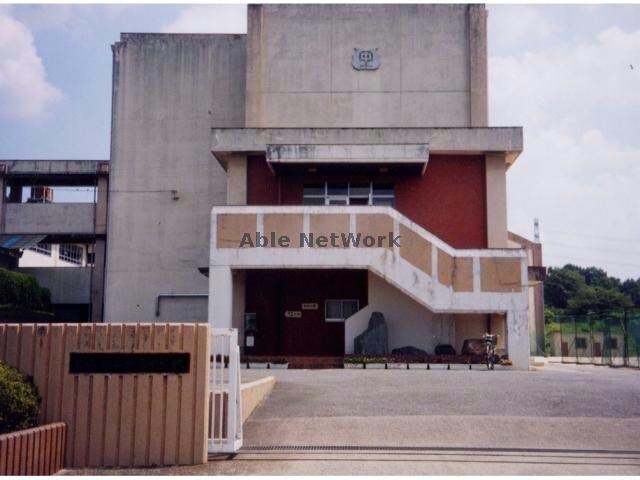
584 247
602 237
591 260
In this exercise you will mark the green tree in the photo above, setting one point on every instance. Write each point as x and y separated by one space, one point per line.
594 277
631 288
20 290
561 285
589 299
19 400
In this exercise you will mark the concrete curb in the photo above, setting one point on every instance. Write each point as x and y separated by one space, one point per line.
254 393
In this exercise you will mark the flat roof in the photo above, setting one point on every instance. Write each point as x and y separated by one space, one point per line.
54 167
53 172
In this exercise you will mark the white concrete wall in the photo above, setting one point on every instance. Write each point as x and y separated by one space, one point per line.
532 314
300 74
168 91
496 188
408 322
31 258
387 263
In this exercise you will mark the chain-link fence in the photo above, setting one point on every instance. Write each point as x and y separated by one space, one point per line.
601 338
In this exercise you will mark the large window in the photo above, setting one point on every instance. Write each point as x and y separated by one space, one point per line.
348 193
339 310
43 248
71 253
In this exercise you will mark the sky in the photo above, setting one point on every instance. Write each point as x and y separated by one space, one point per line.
570 75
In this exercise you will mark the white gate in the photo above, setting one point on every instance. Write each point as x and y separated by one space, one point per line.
225 431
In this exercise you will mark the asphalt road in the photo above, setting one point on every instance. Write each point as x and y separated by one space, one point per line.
555 420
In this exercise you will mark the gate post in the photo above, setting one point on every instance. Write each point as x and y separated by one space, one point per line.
220 297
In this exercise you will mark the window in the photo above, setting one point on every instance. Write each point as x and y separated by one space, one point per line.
353 193
359 194
581 343
382 194
70 253
339 310
43 248
337 194
314 194
611 343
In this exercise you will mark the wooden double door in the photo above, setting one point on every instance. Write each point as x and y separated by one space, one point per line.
291 309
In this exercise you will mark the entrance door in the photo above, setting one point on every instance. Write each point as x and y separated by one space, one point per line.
290 309
305 330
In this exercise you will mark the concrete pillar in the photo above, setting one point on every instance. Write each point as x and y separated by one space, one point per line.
220 297
496 183
254 77
238 302
3 188
478 98
237 180
518 338
100 249
498 326
97 280
101 206
15 195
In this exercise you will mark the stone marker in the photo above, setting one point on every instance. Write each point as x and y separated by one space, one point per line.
374 340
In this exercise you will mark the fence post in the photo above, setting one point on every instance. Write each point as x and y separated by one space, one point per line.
227 414
625 339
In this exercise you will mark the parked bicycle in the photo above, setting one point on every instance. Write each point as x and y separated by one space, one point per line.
490 357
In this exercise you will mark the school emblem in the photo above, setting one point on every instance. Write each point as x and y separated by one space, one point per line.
365 59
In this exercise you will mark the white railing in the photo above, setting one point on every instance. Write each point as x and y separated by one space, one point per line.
433 273
225 432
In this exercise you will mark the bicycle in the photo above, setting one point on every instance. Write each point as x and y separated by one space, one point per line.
490 357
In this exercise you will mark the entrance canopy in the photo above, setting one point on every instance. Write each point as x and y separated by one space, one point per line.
392 158
358 146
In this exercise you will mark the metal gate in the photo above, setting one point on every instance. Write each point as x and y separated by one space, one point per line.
225 429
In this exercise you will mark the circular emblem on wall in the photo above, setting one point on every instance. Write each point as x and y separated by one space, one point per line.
365 59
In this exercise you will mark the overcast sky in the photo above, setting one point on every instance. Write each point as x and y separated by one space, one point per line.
570 75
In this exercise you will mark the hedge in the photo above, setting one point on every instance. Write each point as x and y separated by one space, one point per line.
19 400
18 289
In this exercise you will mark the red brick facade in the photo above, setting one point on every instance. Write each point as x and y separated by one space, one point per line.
449 200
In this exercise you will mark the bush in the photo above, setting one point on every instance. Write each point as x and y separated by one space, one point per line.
19 400
20 290
360 359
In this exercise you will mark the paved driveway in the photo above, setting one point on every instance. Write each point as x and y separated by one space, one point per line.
579 415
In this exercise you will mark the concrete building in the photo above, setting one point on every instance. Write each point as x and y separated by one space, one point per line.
322 119
56 255
47 231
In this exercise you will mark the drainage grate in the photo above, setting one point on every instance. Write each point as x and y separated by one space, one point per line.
380 448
